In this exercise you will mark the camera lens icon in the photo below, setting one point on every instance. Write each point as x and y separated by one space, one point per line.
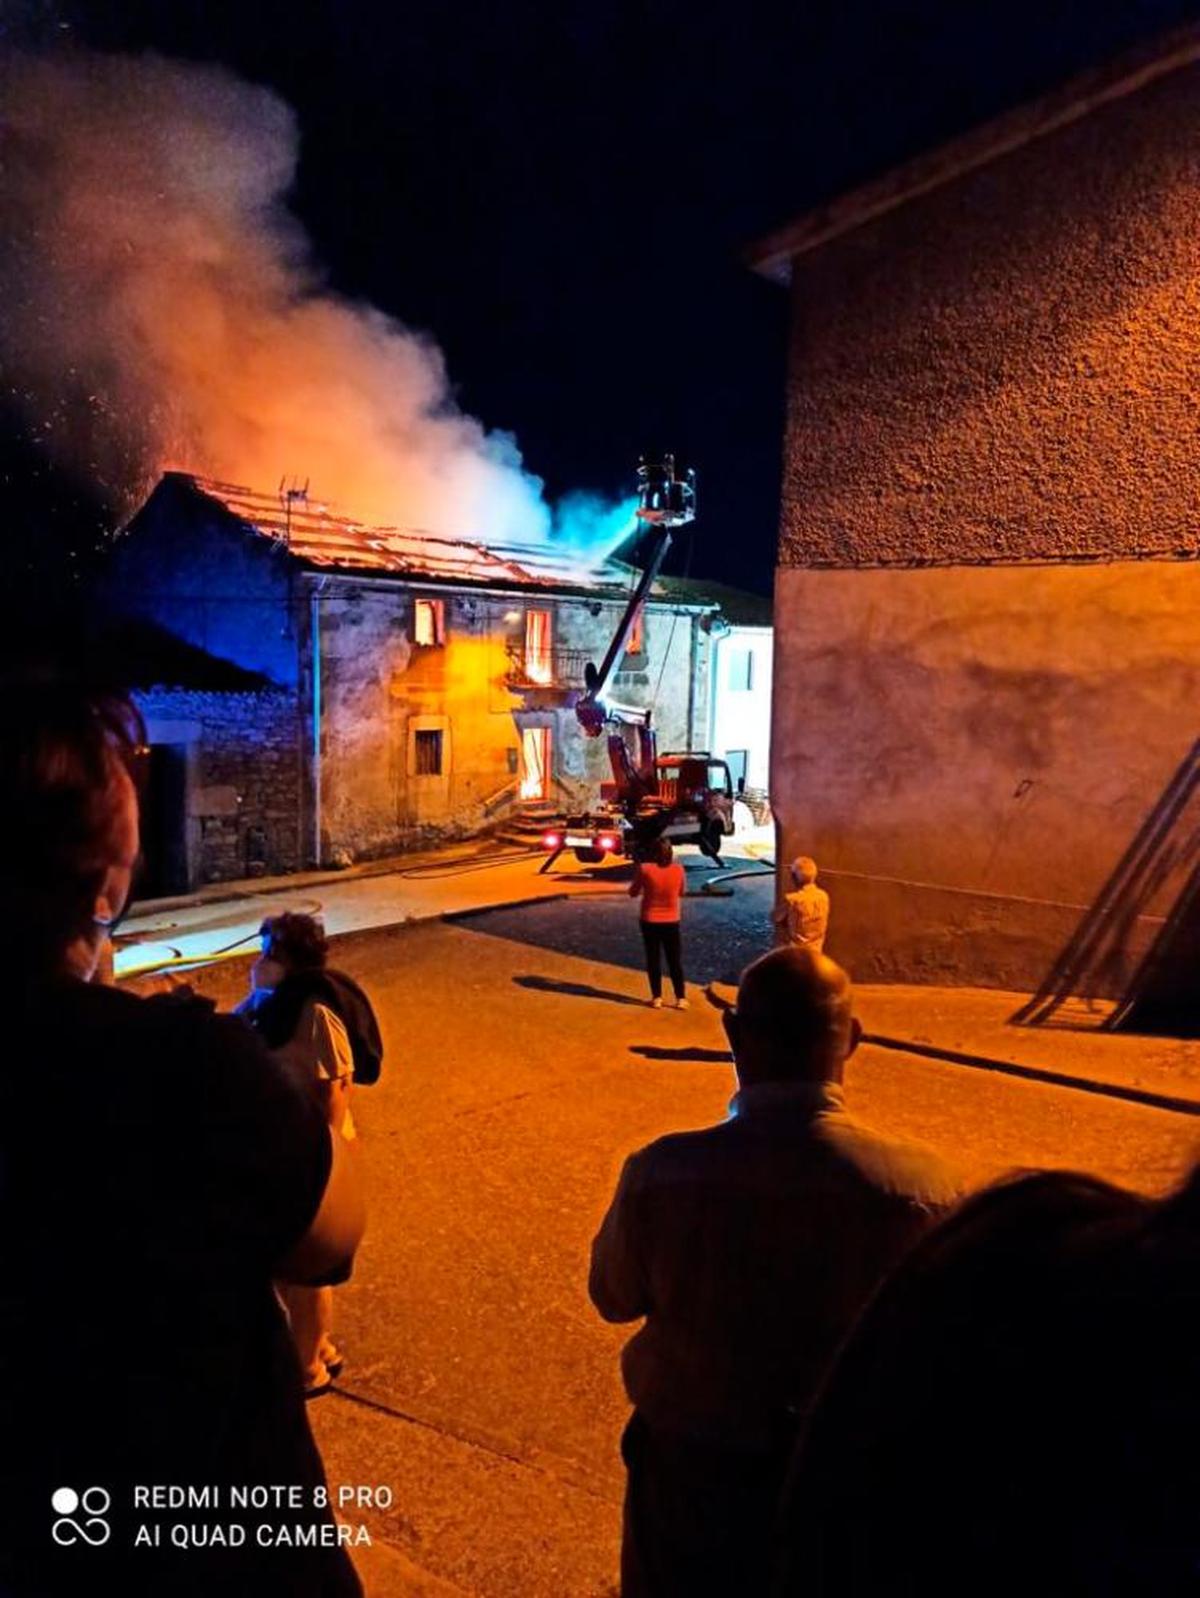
80 1516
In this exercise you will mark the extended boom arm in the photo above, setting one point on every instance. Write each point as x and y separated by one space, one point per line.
665 502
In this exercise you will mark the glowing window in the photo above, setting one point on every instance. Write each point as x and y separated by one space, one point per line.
535 762
429 621
427 750
637 635
539 657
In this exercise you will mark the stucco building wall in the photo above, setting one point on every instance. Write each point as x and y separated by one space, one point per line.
967 752
1005 368
994 384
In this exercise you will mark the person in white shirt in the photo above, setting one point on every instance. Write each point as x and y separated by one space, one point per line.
804 914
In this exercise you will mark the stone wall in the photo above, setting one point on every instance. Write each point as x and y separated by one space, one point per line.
379 690
995 383
244 778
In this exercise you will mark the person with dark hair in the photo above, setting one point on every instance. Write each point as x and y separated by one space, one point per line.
1018 1409
181 1171
295 940
301 1008
304 1033
292 972
68 813
660 883
749 1248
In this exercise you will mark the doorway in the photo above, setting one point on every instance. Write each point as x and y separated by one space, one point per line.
535 762
164 823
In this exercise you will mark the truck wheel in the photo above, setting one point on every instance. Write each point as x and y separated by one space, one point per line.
710 840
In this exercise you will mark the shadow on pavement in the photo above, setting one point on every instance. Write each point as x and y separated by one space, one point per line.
580 990
690 1051
720 936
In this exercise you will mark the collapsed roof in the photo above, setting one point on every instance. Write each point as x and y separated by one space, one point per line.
320 536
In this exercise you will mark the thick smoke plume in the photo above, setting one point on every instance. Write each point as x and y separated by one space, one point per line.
161 307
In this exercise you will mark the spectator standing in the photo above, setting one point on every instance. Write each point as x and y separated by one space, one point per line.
305 1012
749 1248
160 1170
804 913
1017 1410
659 883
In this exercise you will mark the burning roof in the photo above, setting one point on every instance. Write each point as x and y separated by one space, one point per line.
320 536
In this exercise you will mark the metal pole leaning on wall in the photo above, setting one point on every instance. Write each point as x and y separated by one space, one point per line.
1131 872
1161 996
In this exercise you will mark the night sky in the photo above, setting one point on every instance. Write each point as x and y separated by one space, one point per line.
561 192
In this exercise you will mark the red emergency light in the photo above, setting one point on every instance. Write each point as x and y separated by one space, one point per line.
606 841
552 840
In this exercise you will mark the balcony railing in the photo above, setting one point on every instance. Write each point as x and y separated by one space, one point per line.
558 668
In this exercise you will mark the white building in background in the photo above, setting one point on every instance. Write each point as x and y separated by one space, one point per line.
740 703
739 700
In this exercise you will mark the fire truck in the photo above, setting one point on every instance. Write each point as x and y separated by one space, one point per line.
686 796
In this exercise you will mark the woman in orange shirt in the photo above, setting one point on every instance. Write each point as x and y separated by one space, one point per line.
659 883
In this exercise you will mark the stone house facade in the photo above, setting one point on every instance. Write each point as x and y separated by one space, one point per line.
403 689
988 591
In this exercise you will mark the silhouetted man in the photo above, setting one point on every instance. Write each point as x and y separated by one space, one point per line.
749 1247
1029 1373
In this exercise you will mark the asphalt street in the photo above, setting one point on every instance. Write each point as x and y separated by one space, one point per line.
723 929
481 1389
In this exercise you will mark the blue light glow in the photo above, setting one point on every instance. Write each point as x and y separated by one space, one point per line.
593 525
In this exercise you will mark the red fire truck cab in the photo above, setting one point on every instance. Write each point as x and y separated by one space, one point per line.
690 800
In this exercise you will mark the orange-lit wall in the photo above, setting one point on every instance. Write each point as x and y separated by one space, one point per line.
993 406
378 689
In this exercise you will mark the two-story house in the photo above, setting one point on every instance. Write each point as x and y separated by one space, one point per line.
396 688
